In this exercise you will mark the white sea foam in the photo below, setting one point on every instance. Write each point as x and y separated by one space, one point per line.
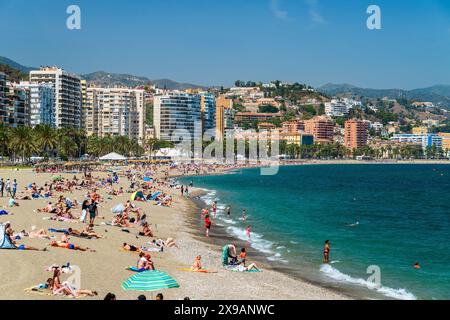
335 274
256 241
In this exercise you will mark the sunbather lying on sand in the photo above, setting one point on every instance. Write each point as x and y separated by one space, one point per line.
131 248
87 232
40 234
170 243
70 246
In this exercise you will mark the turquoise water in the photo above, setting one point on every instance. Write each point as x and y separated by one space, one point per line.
389 216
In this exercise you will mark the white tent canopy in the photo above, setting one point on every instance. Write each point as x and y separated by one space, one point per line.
113 157
172 153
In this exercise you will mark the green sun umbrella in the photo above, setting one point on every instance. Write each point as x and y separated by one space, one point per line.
150 281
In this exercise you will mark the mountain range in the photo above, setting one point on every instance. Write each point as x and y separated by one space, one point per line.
439 94
103 78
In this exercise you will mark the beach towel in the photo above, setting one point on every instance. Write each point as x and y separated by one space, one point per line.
154 196
198 271
5 243
134 269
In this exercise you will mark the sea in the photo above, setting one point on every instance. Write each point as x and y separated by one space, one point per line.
380 219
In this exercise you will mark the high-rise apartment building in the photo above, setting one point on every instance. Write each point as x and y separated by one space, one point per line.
176 115
208 111
41 103
67 94
17 113
321 127
224 116
356 133
3 99
115 112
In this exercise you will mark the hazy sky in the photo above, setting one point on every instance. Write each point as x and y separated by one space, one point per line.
212 42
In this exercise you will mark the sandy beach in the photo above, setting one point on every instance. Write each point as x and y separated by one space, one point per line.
105 269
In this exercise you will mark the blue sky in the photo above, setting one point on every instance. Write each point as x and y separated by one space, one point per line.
214 42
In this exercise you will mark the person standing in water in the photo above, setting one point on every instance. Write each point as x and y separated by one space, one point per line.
207 225
229 211
248 232
326 252
244 215
214 209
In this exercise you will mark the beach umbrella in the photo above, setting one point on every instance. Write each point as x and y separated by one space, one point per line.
118 209
138 194
150 281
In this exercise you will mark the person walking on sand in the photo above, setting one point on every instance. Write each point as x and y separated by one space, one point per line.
14 189
2 186
8 187
326 252
93 211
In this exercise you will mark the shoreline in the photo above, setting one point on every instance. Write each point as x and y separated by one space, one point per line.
220 234
193 232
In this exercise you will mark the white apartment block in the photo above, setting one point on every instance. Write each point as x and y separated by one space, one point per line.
67 94
340 107
115 112
41 103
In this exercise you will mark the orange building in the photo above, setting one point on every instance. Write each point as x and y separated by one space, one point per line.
445 140
356 132
224 109
293 126
321 127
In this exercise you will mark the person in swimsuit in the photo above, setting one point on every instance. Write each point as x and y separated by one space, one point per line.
69 246
207 224
326 252
197 266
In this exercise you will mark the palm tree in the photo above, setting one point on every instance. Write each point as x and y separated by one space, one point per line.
4 135
46 138
67 147
21 140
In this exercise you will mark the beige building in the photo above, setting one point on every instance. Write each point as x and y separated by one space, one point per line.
420 130
115 112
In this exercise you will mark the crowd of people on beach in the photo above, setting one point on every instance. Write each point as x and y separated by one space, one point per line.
147 184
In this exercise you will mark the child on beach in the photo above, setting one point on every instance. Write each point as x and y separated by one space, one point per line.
243 256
